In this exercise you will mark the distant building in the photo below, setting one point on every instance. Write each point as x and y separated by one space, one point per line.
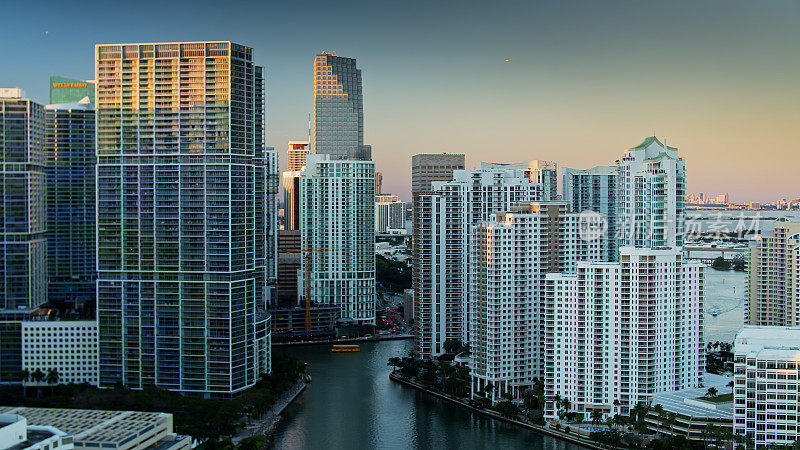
390 213
766 361
92 428
595 190
378 183
69 90
427 168
338 121
773 277
68 346
538 171
296 155
288 266
70 168
618 333
23 222
650 201
290 323
16 434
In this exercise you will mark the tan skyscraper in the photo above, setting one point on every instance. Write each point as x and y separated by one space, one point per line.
295 162
773 281
296 155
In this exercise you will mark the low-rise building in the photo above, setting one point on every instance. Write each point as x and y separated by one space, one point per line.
289 323
16 434
67 346
98 429
693 410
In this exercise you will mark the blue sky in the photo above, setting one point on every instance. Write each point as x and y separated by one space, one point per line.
586 79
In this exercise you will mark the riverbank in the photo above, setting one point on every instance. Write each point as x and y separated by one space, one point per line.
394 337
267 423
571 438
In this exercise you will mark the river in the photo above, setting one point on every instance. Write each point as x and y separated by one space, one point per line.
352 404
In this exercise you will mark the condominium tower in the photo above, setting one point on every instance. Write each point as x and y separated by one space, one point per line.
296 155
537 170
650 201
23 223
182 220
429 167
510 255
773 277
338 235
70 168
390 213
338 122
595 190
443 220
617 333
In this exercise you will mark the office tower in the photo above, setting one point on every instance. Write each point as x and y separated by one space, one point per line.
69 90
288 267
338 123
182 226
291 199
23 221
338 235
595 190
650 202
617 333
766 360
509 258
296 155
443 218
70 168
538 171
378 183
390 213
270 213
427 168
773 277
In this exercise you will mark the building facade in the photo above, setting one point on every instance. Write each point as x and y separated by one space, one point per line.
773 277
70 90
338 235
288 266
70 169
650 201
390 213
296 155
443 217
509 257
429 167
23 215
617 333
595 190
67 346
766 361
537 170
338 122
182 223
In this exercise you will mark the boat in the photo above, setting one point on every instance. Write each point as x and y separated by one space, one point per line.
345 348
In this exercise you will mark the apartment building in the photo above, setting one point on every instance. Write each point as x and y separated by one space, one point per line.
616 333
773 277
390 213
537 170
595 190
509 257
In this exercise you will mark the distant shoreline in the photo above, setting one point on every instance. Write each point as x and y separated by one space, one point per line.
395 337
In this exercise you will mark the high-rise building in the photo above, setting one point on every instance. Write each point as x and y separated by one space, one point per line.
70 168
390 213
291 199
510 255
23 219
338 235
296 155
595 190
182 225
443 220
270 212
69 90
288 266
650 202
617 333
429 167
537 170
338 122
378 183
766 360
773 277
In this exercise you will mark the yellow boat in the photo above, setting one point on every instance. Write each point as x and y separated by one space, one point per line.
345 348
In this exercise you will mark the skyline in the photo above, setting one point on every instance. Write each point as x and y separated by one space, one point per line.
715 79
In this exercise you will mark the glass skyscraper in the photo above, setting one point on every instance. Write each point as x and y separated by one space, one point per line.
70 168
182 223
23 252
338 124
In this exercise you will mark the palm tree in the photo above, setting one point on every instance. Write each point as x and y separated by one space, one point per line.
52 376
38 377
711 392
597 417
25 375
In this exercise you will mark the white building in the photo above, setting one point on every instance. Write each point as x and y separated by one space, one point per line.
390 213
510 255
624 331
538 171
338 235
773 277
68 346
651 195
16 434
766 362
443 237
595 190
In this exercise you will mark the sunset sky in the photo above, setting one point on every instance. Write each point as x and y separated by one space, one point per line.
586 79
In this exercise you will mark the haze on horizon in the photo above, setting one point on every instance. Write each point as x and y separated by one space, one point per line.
585 79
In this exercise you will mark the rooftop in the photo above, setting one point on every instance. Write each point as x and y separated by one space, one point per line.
769 342
686 403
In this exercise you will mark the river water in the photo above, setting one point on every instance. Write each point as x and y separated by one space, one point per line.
352 404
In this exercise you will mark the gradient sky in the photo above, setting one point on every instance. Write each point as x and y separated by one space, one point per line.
587 79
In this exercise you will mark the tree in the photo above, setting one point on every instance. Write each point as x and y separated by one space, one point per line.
452 346
711 392
52 376
507 409
597 417
37 376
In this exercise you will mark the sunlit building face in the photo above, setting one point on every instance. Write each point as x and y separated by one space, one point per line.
338 123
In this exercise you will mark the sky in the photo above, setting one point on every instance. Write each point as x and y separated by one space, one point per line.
585 79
